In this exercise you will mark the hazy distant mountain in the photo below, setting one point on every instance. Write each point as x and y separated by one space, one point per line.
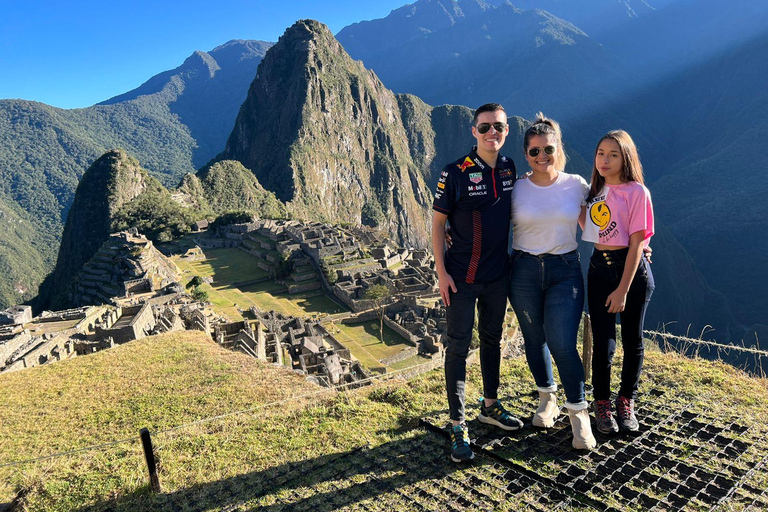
679 34
527 60
714 197
680 76
595 17
173 124
206 92
409 23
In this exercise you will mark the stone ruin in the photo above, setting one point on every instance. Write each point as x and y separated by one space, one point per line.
407 273
313 349
131 274
245 336
424 326
126 265
47 338
56 335
16 315
409 281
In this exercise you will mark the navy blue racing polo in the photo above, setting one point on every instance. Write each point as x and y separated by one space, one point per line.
477 200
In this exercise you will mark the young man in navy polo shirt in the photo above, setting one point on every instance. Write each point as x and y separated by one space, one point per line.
474 196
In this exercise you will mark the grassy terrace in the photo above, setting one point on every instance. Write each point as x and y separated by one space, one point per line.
230 266
355 450
363 341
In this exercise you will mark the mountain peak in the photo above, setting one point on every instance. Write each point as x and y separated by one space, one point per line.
201 62
329 139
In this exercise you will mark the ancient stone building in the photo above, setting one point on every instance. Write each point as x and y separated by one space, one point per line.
245 336
47 338
312 348
16 315
130 323
421 325
127 264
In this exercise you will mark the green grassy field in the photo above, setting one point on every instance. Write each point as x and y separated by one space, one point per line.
298 447
229 266
363 341
226 266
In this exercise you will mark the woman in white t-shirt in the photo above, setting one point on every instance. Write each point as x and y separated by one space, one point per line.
546 281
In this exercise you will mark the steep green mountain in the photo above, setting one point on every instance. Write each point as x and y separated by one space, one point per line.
173 124
325 135
227 186
106 188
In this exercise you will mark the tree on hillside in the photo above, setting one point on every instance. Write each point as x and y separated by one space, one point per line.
379 295
195 282
199 294
284 267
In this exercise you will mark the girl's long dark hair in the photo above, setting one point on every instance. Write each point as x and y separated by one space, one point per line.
632 170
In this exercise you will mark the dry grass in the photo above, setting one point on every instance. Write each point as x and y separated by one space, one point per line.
168 381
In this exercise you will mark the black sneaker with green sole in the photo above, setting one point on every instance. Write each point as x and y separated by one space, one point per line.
460 450
496 415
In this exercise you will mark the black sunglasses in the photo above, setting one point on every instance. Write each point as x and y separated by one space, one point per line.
534 152
484 127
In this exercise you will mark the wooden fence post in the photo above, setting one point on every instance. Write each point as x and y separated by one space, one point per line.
586 355
149 454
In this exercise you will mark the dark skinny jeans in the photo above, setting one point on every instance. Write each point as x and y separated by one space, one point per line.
603 277
491 302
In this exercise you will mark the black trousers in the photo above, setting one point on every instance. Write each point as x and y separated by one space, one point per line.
603 277
490 300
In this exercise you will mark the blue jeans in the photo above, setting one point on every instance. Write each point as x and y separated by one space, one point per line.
491 302
547 294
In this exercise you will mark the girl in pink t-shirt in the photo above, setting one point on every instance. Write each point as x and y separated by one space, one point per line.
619 220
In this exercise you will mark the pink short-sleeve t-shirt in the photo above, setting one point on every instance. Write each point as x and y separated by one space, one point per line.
617 212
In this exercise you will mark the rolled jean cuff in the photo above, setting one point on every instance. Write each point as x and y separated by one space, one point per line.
549 389
580 406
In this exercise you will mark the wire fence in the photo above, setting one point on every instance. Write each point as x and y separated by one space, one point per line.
752 360
696 341
323 391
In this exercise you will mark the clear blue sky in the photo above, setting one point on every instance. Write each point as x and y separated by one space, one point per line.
75 53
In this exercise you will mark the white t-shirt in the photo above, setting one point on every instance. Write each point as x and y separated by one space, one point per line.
544 219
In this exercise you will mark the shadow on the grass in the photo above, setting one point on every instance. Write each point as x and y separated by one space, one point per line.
375 476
